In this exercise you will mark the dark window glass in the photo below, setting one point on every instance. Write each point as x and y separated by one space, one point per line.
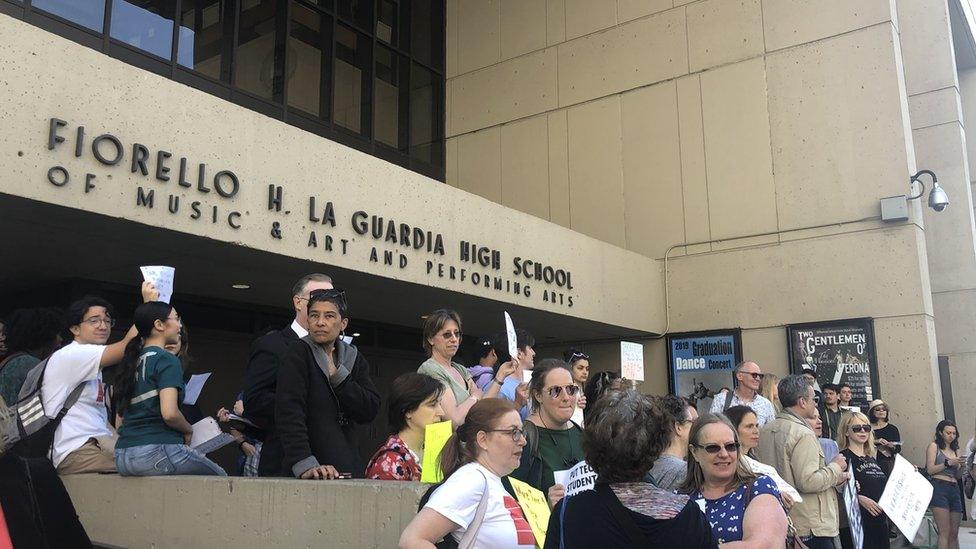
257 67
357 12
87 13
351 78
389 98
427 32
387 14
145 24
201 38
309 60
426 102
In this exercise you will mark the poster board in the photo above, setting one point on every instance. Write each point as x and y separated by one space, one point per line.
701 364
631 361
840 351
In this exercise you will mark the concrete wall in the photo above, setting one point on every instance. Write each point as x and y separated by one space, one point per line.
234 512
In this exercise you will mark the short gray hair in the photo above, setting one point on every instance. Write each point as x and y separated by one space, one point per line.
792 388
299 286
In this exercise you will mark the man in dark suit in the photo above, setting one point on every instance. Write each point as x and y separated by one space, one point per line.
261 380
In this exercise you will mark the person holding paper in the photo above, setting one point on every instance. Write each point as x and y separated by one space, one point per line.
857 445
415 403
945 467
625 432
442 338
471 505
514 385
323 391
154 436
746 425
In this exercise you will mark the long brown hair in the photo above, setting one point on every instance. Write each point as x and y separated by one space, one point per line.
462 447
696 477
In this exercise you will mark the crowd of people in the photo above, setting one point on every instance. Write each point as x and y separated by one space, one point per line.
764 466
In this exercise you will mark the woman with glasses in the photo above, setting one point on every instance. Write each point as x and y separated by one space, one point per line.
554 441
600 384
739 505
442 338
857 445
945 467
579 365
625 434
887 439
415 403
471 505
148 389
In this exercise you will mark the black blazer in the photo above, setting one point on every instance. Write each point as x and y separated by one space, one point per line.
307 414
261 379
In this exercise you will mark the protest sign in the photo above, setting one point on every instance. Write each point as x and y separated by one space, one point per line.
853 513
162 278
534 507
906 497
435 437
512 338
577 479
631 361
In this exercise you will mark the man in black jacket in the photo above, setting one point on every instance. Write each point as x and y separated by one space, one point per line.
323 390
261 379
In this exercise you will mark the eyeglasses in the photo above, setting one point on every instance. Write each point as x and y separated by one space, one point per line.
96 321
731 447
880 408
448 335
860 428
757 377
556 390
516 433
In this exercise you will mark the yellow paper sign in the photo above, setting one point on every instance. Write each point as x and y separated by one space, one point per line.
534 506
435 437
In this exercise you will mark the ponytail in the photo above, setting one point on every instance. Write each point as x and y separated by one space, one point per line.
462 448
144 319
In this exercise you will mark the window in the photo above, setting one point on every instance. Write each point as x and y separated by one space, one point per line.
309 60
389 97
426 102
87 13
201 38
145 24
351 78
387 19
357 12
256 63
427 32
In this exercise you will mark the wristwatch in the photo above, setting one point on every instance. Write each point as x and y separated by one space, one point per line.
500 383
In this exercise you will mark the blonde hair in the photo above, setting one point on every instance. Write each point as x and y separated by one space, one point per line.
768 387
845 425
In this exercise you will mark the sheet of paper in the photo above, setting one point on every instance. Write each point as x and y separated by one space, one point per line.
534 507
581 478
631 361
512 338
906 497
853 508
435 437
561 477
162 277
204 430
194 386
214 444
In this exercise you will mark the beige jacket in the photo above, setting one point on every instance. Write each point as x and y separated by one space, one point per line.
789 445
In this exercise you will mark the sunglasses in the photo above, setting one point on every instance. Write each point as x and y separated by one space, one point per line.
448 335
757 377
557 390
860 428
579 356
330 293
880 408
731 447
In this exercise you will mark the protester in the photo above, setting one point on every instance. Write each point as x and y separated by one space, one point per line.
579 365
483 373
811 376
154 436
846 394
671 468
945 467
84 442
442 337
599 384
32 335
626 431
768 390
746 425
831 413
748 379
739 505
323 390
788 444
261 379
553 441
829 446
415 403
486 447
513 387
857 445
887 439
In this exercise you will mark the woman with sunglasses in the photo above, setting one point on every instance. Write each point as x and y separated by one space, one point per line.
887 439
554 441
579 365
945 467
857 445
471 505
740 505
442 338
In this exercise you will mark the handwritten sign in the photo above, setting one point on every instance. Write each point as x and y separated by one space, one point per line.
580 478
854 513
534 506
435 437
906 497
512 338
162 278
631 361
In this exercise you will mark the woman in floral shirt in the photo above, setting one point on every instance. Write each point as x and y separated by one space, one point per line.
415 402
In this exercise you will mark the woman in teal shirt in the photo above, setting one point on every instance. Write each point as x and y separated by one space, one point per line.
149 387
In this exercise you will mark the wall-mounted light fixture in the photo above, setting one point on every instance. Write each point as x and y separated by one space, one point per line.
895 208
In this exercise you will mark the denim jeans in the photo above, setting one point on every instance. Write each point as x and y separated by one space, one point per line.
164 459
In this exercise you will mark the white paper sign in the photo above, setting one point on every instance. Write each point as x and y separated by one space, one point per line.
162 277
204 430
512 339
193 388
579 479
631 361
561 477
853 513
906 497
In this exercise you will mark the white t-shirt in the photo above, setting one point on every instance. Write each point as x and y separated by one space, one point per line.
88 418
457 499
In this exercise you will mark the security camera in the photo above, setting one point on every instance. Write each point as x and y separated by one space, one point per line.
938 200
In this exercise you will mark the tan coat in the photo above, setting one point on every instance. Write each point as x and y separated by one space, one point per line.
789 445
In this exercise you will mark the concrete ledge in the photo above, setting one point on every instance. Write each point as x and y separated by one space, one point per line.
215 512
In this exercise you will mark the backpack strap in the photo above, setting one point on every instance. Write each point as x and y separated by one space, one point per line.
728 400
471 532
532 443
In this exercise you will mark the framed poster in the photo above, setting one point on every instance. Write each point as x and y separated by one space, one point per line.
700 364
840 351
